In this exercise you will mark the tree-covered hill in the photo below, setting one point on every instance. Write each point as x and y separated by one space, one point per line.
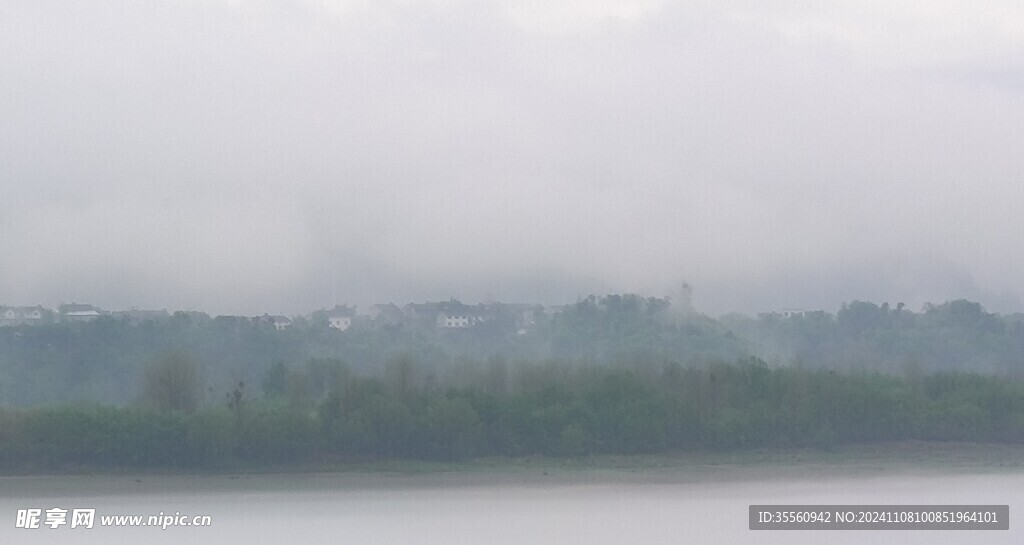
105 360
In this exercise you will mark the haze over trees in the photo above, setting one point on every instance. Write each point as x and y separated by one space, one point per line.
107 359
173 384
617 374
551 409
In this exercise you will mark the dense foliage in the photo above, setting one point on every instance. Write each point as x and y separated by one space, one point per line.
323 412
107 360
617 374
954 336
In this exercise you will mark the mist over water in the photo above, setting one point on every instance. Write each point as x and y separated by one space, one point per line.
435 509
272 157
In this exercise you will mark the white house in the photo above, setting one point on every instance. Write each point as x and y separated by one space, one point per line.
281 322
453 320
341 323
20 315
75 312
81 315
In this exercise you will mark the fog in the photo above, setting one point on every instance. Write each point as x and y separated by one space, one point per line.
705 504
256 156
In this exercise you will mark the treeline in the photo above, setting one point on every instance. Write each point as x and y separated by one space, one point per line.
323 413
953 336
105 360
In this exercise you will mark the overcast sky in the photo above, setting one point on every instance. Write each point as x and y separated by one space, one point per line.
250 156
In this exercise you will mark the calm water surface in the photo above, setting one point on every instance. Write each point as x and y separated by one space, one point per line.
592 508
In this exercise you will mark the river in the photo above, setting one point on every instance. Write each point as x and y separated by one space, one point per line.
515 507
